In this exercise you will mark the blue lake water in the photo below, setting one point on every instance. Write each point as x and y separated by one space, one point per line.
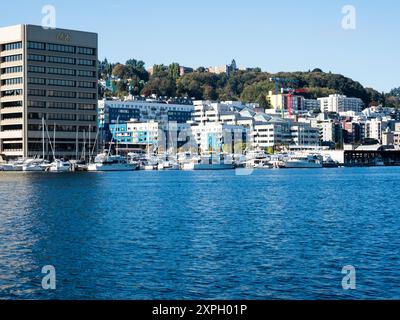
276 234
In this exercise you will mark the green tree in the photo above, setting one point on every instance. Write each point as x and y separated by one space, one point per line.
120 71
174 71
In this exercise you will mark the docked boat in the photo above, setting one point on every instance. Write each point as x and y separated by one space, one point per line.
328 162
106 162
59 166
35 165
168 165
78 165
262 164
12 166
303 161
210 162
149 164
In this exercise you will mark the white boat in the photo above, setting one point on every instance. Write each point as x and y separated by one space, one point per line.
328 162
168 165
150 167
33 165
187 166
277 160
213 162
303 161
12 166
149 164
186 161
37 164
105 162
60 166
262 164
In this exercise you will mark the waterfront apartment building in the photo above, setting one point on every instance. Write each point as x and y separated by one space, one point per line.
375 127
219 137
340 103
353 132
190 137
272 133
47 75
303 134
331 132
112 112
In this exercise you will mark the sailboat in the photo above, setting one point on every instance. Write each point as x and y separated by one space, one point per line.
58 165
37 164
107 162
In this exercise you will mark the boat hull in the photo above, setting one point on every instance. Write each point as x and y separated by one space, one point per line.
59 169
113 167
302 165
10 168
33 169
221 166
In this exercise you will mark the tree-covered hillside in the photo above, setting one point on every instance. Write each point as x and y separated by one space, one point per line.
250 85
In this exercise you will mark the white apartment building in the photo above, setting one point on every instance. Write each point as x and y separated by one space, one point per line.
303 134
327 130
375 127
219 137
396 136
272 134
206 111
340 103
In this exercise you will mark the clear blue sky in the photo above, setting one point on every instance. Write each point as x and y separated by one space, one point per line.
274 35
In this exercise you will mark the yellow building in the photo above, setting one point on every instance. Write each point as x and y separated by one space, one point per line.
277 100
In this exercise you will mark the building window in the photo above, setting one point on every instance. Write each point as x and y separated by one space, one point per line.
86 95
61 71
61 60
36 69
87 117
35 115
60 48
61 94
10 93
85 73
86 84
61 83
12 104
36 104
12 81
36 45
36 57
16 57
86 62
61 116
83 50
12 46
61 105
40 81
36 92
11 70
86 106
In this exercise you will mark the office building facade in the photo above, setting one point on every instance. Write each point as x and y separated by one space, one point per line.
47 76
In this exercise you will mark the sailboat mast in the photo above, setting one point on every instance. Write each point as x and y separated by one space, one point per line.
43 137
54 142
89 145
116 137
84 145
76 144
